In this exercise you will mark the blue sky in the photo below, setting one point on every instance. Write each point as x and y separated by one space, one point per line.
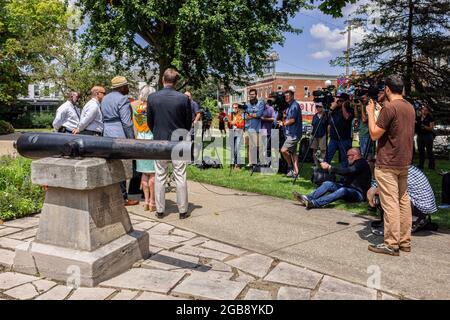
320 41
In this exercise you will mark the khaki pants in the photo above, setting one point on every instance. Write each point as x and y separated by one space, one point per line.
392 184
255 145
179 175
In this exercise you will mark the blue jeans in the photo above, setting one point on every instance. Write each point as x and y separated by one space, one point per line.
235 146
343 146
320 197
365 143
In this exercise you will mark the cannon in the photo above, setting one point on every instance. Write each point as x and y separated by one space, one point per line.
36 145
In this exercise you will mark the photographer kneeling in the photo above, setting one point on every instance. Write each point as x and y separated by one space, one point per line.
357 178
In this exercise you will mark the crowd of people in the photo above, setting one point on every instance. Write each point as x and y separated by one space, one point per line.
383 176
154 115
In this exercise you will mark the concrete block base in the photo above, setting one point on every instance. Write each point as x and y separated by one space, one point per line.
82 268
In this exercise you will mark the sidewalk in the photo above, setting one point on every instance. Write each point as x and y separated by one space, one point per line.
249 247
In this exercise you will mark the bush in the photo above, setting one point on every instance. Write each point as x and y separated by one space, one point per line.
18 196
42 120
6 127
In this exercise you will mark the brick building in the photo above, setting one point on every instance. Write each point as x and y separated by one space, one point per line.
304 85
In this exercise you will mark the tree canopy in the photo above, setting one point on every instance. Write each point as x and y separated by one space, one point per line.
411 38
226 39
21 23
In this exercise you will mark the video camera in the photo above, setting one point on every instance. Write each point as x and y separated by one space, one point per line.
279 104
324 96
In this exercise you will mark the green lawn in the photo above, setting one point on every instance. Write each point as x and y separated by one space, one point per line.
282 187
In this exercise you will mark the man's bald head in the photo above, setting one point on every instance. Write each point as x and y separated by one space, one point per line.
353 154
98 92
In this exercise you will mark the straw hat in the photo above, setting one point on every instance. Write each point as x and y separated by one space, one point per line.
118 82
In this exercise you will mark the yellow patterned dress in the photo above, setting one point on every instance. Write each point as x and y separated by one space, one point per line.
143 132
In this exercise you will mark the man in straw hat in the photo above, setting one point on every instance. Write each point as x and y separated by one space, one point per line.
117 118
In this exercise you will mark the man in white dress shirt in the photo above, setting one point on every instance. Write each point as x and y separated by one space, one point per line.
68 114
91 120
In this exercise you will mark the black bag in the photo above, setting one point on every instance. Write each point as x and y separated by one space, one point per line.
446 188
319 176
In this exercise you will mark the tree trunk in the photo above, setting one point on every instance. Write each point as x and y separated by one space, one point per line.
409 50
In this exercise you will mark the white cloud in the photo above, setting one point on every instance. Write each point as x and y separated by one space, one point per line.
334 39
321 54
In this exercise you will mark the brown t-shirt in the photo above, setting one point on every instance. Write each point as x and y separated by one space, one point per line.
395 147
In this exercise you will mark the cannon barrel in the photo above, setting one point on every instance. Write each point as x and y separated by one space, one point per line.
37 145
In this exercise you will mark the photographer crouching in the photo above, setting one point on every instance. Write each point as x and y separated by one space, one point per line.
356 183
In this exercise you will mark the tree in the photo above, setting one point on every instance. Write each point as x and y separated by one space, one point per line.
225 39
410 38
21 22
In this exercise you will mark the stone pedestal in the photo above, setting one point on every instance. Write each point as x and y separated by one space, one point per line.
85 234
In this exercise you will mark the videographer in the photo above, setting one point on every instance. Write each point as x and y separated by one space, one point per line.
236 125
267 121
394 131
293 131
425 137
357 178
365 142
340 129
253 112
319 138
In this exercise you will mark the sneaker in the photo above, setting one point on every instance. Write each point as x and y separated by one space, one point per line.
297 196
405 249
129 202
290 174
382 248
159 215
184 215
308 203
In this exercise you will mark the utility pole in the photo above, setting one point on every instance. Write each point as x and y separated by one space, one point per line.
349 41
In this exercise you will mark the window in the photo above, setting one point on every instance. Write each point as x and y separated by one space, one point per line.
46 91
306 90
36 91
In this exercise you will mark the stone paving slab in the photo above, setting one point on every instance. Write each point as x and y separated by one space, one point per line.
145 225
255 294
9 243
336 289
44 285
206 287
289 293
195 241
23 223
91 294
57 293
23 235
255 264
243 277
8 230
6 258
295 276
125 295
167 260
218 266
200 252
143 279
168 237
214 245
161 229
24 292
185 234
156 241
9 280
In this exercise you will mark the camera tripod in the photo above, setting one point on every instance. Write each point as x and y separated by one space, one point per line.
205 165
341 147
